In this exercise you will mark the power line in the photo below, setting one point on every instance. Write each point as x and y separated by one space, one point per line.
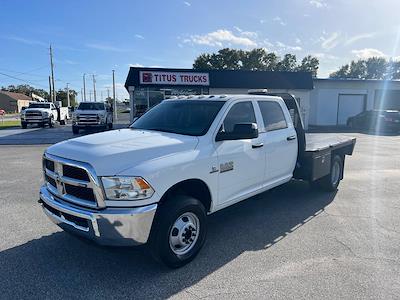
23 80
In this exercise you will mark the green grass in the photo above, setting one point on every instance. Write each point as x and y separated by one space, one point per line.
7 123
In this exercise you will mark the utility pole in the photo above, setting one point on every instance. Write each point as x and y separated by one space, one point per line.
81 94
68 102
50 90
52 75
115 101
84 87
94 87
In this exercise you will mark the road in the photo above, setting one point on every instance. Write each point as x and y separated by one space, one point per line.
288 243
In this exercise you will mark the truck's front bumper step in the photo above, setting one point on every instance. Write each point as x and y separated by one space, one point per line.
110 226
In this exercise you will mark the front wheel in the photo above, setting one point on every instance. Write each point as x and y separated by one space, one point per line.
23 125
110 125
331 181
179 231
51 122
75 130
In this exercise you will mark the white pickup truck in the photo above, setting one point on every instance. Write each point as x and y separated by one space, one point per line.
92 115
156 181
44 113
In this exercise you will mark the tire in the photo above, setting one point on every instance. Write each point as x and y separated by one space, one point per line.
23 125
51 122
75 130
63 122
178 217
331 182
110 125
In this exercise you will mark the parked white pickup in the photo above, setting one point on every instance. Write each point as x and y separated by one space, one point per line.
156 181
44 113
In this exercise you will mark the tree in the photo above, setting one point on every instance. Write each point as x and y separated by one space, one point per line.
309 64
27 90
371 68
255 60
62 96
288 63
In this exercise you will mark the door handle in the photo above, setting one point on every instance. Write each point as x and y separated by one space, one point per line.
258 145
291 138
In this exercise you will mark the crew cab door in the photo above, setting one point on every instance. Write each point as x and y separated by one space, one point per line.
280 141
241 162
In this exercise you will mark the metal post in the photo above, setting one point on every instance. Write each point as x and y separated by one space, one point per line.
115 101
52 75
84 87
94 88
68 102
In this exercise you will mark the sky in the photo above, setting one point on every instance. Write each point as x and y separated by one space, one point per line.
95 37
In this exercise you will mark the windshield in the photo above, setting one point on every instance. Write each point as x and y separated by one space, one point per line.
39 105
91 106
188 117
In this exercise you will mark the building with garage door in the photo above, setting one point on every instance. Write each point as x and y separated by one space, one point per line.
333 101
148 86
323 102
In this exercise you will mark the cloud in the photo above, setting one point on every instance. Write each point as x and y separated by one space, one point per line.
105 47
359 37
139 36
368 53
26 41
331 41
219 38
287 47
325 56
249 34
298 41
187 3
279 20
318 3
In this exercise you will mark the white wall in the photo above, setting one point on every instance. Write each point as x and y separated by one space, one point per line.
325 96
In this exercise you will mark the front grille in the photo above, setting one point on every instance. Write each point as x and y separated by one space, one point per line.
49 164
72 182
75 173
51 181
80 192
74 219
88 119
33 114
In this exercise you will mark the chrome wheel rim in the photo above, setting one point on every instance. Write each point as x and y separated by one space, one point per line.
184 233
335 175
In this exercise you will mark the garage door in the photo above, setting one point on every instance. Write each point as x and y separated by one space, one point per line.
349 105
388 99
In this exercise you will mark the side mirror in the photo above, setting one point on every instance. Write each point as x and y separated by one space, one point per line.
72 108
241 131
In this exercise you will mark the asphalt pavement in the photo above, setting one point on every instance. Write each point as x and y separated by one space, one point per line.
289 243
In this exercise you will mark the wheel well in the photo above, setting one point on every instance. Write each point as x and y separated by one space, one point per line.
195 188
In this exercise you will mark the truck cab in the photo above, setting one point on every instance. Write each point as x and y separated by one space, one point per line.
92 115
155 182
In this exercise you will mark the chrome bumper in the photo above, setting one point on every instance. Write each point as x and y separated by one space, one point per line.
110 226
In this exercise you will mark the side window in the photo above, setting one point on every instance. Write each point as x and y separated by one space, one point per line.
242 112
273 116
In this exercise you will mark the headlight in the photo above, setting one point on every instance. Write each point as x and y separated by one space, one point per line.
126 188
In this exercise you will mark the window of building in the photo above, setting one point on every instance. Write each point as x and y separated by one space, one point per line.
242 112
273 116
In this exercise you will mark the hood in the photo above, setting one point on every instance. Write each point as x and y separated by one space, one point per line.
90 112
36 109
114 151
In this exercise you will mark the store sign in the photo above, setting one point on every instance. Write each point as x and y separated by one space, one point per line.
174 78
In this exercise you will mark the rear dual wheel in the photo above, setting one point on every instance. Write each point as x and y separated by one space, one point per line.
331 181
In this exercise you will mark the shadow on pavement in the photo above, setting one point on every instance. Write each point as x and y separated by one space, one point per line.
62 266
